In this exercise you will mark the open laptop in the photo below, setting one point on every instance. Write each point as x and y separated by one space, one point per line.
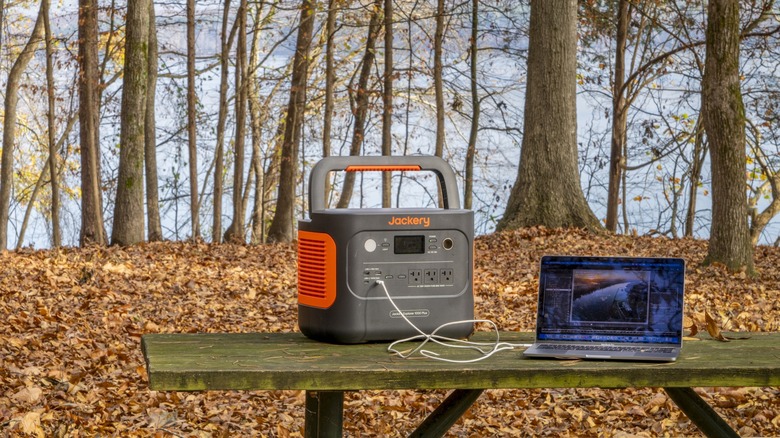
628 308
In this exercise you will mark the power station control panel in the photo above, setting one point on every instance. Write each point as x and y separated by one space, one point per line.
413 263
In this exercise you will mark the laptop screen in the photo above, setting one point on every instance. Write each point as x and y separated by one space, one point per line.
611 299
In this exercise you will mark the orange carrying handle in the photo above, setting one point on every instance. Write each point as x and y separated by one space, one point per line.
386 168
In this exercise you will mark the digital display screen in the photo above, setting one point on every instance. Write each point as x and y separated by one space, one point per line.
409 245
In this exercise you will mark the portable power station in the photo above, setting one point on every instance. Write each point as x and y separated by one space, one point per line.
424 256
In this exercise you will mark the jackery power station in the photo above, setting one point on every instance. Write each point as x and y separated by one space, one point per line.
424 256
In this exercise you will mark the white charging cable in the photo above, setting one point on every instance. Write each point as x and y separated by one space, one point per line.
486 349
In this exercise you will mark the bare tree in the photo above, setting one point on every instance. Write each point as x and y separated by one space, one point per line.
361 98
235 232
256 127
192 141
9 123
2 17
54 156
547 190
619 116
39 183
92 231
697 163
281 229
128 225
150 133
724 122
387 101
330 80
224 58
438 42
468 193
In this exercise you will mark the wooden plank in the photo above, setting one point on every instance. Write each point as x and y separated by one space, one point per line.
268 361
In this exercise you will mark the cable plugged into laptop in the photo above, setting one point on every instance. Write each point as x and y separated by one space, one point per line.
485 349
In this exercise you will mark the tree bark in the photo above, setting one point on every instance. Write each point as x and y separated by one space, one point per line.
219 167
256 126
54 156
235 232
361 102
192 141
281 229
471 151
697 162
9 124
2 17
547 190
724 122
150 133
387 101
438 42
92 227
128 225
330 80
619 120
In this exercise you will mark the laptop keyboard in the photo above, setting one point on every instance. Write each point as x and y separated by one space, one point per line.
606 348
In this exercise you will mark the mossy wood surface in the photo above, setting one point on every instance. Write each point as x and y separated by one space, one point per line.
271 361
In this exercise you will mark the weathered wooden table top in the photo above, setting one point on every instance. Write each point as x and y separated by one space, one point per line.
275 361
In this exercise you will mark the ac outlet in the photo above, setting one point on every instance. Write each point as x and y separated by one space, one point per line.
446 276
431 276
415 276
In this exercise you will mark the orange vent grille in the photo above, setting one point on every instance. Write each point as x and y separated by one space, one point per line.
316 269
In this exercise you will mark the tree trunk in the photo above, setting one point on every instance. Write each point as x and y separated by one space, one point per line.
697 162
9 124
271 179
471 152
54 157
724 122
387 101
547 190
235 232
438 40
92 228
281 229
361 103
128 228
192 141
39 183
150 133
330 80
256 127
2 18
619 120
33 197
219 169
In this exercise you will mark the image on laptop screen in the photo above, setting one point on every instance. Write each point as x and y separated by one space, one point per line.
611 299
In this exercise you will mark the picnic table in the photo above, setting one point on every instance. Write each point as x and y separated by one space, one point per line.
290 361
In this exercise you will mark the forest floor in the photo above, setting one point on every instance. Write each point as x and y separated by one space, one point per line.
71 362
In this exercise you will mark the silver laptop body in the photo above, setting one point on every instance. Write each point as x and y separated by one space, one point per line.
625 308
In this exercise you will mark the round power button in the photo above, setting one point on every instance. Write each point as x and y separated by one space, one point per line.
370 245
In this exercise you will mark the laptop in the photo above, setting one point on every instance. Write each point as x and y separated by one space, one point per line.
625 308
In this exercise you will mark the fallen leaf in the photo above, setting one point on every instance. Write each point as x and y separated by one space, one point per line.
713 329
31 424
29 395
